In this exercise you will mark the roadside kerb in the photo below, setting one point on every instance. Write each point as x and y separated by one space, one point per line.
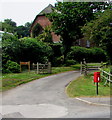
86 101
92 103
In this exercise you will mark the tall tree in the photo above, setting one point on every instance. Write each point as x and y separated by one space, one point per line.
23 31
68 18
10 22
8 25
100 32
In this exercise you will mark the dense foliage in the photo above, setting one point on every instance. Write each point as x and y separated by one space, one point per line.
37 29
34 50
100 31
24 49
10 26
90 54
23 31
45 36
68 18
11 67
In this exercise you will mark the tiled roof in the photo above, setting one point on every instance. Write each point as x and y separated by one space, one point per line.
47 10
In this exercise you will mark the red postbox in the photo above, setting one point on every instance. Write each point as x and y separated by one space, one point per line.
96 77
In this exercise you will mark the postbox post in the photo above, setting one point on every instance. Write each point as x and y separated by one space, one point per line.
96 80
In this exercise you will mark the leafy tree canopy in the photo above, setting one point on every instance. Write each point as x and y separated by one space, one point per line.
8 25
100 31
46 36
68 18
10 22
37 29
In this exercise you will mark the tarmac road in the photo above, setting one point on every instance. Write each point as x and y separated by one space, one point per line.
46 98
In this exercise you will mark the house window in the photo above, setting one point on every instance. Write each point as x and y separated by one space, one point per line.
87 43
79 42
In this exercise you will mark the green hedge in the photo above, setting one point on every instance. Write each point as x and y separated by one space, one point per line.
90 54
24 49
56 58
11 67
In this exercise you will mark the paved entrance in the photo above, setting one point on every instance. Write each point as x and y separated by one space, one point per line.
46 98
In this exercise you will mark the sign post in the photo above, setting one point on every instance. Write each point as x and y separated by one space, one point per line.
97 88
25 63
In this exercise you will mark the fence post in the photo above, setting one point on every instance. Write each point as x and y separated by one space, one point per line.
29 66
81 68
20 67
101 64
109 78
37 68
33 65
49 67
85 68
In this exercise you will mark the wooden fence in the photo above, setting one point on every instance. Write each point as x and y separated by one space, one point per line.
85 67
106 76
42 68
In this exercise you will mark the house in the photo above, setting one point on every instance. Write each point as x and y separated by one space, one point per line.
43 21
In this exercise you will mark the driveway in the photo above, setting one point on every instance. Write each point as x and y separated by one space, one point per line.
46 98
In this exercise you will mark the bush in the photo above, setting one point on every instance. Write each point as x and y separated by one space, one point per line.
56 57
25 49
97 54
11 48
90 54
34 50
56 47
58 61
11 67
70 62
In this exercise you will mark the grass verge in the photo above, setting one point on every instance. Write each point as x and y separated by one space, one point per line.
84 86
14 79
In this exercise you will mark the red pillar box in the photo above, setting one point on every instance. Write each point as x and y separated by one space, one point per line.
96 77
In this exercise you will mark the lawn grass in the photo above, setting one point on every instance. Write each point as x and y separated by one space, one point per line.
14 79
84 86
76 66
94 64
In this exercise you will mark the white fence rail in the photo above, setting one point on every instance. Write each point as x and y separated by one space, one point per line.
107 76
42 68
85 67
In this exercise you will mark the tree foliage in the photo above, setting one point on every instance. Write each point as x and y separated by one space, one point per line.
37 29
10 26
10 48
68 18
90 54
24 49
100 31
34 50
46 36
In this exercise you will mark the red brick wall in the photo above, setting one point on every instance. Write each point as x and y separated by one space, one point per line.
44 21
55 38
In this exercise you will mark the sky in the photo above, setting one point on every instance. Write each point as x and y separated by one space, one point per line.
22 11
